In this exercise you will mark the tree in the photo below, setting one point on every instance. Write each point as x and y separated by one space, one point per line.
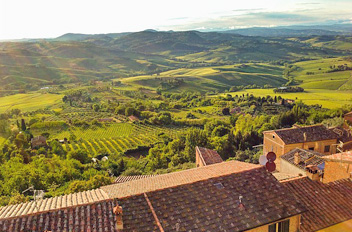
80 155
96 107
129 111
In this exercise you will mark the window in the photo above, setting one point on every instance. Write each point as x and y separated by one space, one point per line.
311 148
327 148
283 226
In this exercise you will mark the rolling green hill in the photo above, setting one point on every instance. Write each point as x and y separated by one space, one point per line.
74 58
214 78
316 74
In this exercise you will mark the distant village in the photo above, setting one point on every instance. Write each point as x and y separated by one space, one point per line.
303 183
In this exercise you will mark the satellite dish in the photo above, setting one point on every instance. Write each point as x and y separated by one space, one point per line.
270 166
271 156
263 160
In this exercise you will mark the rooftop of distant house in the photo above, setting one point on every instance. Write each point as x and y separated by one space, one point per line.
299 134
326 204
348 114
121 179
306 157
340 157
133 118
208 156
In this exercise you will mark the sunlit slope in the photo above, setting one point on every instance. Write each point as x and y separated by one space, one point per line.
327 98
213 78
316 74
29 102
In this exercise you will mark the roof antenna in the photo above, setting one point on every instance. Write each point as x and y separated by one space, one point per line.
240 204
37 195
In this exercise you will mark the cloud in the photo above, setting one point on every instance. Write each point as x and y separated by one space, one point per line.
265 19
308 3
248 10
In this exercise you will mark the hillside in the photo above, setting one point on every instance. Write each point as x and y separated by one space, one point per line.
324 74
213 78
76 58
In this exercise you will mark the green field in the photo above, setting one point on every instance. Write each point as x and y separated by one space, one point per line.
327 98
29 102
213 78
340 80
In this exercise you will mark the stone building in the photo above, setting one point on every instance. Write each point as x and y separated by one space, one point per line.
315 138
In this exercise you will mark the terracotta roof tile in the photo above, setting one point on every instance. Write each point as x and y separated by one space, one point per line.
313 133
189 207
208 156
178 201
97 216
163 181
121 179
344 156
53 203
327 204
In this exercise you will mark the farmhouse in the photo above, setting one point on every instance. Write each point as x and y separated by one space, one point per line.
133 118
315 138
39 141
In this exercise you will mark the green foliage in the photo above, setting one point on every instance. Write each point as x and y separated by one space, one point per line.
80 155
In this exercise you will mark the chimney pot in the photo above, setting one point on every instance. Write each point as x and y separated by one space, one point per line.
118 212
297 158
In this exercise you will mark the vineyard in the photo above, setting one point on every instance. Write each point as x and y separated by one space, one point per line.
82 114
119 137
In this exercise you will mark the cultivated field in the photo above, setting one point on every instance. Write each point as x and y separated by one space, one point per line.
29 102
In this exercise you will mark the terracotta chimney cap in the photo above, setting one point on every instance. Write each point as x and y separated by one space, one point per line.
117 210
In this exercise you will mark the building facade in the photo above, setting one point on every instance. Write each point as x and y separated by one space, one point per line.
315 138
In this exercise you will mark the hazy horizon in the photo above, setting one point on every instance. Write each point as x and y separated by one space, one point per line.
43 19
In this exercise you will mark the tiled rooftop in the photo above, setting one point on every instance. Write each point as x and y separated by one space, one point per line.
213 204
327 204
121 179
313 133
283 176
200 199
54 203
163 181
307 157
96 216
344 156
208 156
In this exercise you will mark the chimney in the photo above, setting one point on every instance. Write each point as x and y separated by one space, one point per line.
313 172
118 212
297 158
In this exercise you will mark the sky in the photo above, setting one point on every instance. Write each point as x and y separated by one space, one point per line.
52 18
